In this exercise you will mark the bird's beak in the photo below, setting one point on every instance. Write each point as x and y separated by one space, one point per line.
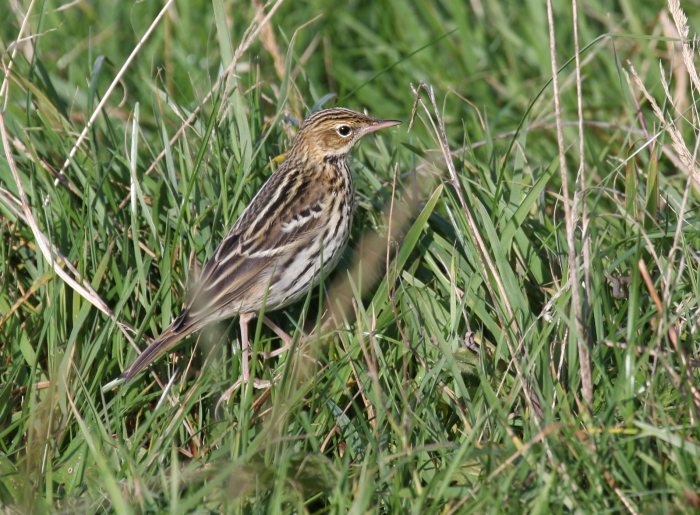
381 124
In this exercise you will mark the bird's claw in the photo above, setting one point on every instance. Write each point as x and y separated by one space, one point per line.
258 384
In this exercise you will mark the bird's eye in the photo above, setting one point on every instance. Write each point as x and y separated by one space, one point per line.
344 131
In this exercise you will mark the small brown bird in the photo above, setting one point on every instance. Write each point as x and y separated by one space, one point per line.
293 231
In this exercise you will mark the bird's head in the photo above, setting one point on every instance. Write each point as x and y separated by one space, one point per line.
333 132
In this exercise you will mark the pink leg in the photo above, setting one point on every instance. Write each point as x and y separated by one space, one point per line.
245 362
245 346
286 339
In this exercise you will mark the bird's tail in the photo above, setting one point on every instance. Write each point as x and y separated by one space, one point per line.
165 341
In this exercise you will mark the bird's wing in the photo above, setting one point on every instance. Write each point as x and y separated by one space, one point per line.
283 217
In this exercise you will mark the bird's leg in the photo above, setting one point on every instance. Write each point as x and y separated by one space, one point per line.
245 345
244 319
287 340
245 355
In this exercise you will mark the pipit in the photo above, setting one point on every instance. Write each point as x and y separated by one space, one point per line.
292 232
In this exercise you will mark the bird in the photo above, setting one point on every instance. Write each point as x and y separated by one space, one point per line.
291 234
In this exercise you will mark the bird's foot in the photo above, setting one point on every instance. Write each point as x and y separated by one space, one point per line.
258 384
276 352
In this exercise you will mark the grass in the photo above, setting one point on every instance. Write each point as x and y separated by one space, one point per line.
443 366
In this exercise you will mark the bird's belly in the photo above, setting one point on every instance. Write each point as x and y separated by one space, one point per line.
310 264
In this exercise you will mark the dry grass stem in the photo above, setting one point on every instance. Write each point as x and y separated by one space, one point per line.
570 219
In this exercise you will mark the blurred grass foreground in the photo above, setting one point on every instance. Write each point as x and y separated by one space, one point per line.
515 326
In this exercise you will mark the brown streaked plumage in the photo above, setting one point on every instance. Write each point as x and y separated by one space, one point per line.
295 228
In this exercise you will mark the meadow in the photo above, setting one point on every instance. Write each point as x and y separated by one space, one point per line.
513 328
